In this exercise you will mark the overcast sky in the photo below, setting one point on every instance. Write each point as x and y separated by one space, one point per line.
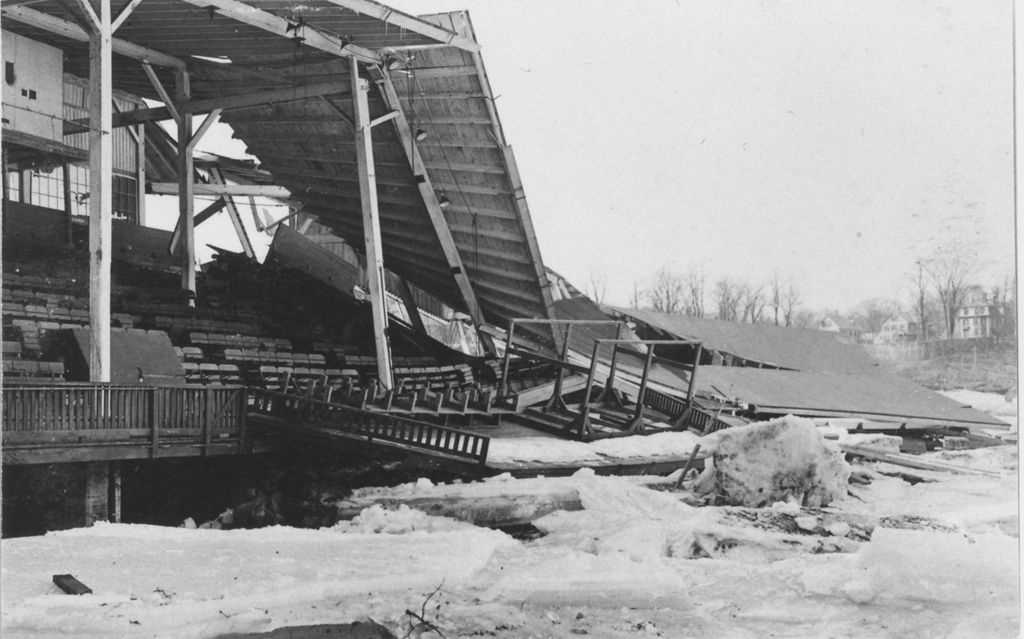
832 141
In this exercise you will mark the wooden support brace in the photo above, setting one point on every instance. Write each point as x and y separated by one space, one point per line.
236 220
158 86
72 31
124 15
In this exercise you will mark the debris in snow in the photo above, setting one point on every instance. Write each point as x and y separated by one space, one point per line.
785 459
70 585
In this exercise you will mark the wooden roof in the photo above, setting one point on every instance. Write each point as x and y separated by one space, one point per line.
305 138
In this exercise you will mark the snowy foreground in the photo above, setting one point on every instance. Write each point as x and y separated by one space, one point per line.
936 558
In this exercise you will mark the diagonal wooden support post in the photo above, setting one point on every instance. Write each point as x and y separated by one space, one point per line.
557 402
236 220
371 225
636 425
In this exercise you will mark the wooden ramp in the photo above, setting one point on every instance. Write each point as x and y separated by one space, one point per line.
331 423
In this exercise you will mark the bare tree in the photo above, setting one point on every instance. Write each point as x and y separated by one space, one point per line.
597 287
752 303
775 296
802 319
666 294
920 282
695 293
634 298
727 300
872 313
950 271
789 303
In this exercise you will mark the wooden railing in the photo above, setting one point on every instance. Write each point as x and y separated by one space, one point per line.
59 414
371 425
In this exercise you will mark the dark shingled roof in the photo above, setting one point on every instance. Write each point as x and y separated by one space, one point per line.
789 348
878 395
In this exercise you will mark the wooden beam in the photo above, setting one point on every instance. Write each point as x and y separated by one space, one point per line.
92 20
74 32
315 38
225 103
208 122
433 206
371 225
162 92
186 188
236 220
262 190
200 217
411 309
408 22
101 172
125 13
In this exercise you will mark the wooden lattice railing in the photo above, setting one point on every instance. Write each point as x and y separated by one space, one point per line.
64 414
372 426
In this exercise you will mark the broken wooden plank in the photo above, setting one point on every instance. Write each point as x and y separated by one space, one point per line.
900 459
71 586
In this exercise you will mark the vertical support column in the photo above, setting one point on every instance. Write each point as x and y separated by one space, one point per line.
96 504
101 169
66 177
371 224
186 188
114 492
6 178
140 172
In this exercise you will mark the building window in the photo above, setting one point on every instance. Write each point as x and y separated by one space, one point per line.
47 188
125 199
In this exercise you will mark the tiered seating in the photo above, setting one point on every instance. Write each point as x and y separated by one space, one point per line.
32 368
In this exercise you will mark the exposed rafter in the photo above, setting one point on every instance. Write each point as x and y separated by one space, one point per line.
226 103
313 37
171 188
433 206
408 22
74 32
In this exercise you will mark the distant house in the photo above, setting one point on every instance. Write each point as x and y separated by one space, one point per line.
898 329
842 327
981 315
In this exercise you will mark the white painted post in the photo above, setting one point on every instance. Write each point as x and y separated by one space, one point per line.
100 192
371 224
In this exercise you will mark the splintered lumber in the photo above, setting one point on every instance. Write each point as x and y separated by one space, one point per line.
542 393
909 461
512 504
71 586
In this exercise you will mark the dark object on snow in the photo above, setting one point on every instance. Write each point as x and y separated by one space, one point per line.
369 629
71 586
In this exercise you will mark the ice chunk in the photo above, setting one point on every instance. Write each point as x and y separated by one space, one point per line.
784 459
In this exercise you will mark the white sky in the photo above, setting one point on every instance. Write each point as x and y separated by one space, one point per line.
833 142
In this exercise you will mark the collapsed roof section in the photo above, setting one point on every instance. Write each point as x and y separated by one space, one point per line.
280 71
773 346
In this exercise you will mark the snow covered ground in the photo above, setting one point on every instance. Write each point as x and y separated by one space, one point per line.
996 405
634 562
